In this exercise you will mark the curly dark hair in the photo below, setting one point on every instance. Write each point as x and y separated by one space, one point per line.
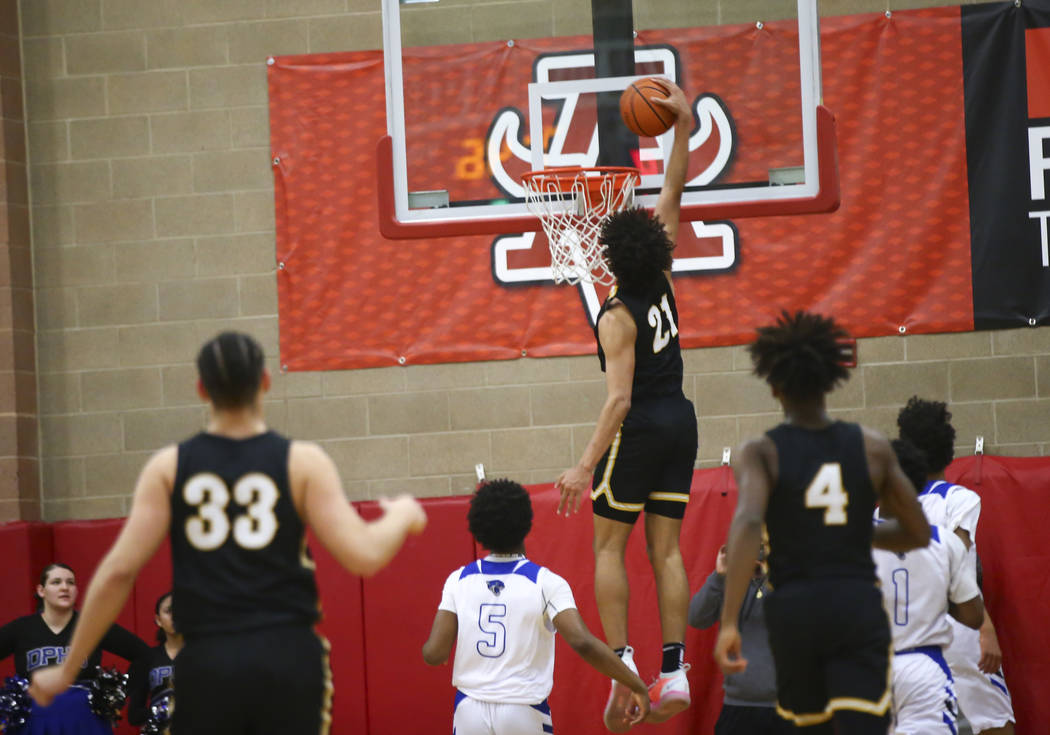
500 516
801 355
927 425
636 247
913 461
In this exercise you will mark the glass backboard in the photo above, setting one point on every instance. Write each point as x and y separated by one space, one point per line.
480 92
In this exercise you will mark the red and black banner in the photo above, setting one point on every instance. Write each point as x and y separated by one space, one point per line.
1006 68
943 119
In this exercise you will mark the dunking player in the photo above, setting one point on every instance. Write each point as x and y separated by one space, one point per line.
814 482
502 612
920 589
975 658
641 454
237 498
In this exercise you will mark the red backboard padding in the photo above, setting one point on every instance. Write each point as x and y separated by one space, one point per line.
406 696
1011 540
377 626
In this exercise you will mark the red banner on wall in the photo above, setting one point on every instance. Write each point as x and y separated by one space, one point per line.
896 254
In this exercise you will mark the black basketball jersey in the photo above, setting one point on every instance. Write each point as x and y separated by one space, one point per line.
657 352
238 549
819 515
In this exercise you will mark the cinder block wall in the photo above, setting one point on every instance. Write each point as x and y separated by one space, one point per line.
153 228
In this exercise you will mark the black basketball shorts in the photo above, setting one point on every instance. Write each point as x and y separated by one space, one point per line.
272 681
831 649
649 465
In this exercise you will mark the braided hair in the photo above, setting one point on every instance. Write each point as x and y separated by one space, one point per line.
231 368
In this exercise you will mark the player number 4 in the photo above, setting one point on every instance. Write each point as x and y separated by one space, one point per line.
661 338
826 492
209 528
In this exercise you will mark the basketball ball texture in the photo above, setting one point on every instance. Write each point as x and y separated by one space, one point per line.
640 114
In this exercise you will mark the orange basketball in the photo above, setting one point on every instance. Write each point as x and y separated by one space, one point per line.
641 115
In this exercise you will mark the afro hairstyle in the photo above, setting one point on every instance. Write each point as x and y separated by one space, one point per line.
912 461
927 425
801 355
636 247
500 516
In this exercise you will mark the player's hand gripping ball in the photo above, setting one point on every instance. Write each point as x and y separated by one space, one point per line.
640 114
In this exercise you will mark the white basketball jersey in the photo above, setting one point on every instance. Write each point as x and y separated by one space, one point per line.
951 506
917 586
505 641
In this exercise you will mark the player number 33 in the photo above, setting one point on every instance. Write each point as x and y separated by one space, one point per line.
209 528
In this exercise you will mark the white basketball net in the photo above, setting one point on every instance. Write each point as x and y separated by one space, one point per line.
572 205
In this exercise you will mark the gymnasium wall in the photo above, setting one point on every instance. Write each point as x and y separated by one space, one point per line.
152 212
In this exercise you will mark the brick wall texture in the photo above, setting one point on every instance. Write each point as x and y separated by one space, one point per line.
151 203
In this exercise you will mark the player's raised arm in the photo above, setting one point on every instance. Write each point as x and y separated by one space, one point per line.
669 203
141 535
909 528
360 547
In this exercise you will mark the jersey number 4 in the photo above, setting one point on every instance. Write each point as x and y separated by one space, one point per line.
209 495
826 491
661 338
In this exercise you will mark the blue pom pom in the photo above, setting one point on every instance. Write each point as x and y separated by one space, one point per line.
15 705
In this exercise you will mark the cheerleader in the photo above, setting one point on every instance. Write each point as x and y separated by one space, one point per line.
149 680
42 639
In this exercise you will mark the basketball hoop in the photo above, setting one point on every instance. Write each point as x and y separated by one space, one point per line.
572 203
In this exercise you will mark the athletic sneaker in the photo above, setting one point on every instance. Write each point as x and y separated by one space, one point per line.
619 697
669 695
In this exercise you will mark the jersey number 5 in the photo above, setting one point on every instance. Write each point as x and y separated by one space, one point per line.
661 338
209 528
826 491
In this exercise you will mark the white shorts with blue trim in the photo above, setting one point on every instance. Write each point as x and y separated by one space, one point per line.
923 697
473 717
983 698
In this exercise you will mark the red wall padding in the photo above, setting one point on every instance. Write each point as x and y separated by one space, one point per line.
25 549
1012 541
377 626
405 696
343 625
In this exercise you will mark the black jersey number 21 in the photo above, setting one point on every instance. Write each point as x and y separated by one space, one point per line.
210 527
661 338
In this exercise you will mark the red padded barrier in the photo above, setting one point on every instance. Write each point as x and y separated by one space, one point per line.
406 696
1011 539
25 549
153 581
342 624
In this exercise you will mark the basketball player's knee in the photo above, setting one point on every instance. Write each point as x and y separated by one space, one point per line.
663 553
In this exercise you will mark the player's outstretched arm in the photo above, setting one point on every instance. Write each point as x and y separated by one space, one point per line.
909 528
754 482
617 333
575 632
141 535
443 633
360 547
669 203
